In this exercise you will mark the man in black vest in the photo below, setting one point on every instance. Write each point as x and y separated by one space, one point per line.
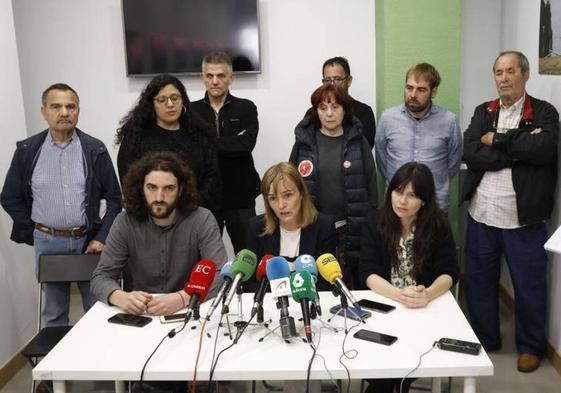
236 125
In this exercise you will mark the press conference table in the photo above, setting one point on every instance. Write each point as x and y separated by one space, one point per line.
97 350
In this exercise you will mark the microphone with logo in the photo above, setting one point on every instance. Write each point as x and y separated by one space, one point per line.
330 270
307 263
261 276
198 285
304 291
227 277
243 268
278 273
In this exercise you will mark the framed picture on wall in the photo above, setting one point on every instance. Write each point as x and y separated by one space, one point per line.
550 37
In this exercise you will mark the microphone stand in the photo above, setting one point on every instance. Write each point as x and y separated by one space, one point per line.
240 323
344 310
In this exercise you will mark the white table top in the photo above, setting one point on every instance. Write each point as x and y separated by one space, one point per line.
97 350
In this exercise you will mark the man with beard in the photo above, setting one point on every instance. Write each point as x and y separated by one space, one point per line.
418 130
53 190
157 240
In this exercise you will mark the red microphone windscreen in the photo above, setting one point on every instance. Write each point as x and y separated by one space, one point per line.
201 278
262 267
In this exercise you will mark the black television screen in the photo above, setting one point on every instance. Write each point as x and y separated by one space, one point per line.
173 36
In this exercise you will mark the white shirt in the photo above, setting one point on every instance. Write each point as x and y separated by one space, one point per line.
494 201
289 244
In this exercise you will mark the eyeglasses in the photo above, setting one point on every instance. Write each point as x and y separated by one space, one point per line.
163 100
336 80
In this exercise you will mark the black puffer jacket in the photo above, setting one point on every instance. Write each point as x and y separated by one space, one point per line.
359 176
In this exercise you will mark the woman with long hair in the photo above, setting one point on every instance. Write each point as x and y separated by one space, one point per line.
338 168
163 121
291 225
407 248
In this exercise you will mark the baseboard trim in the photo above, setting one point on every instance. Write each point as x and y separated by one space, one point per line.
11 368
553 356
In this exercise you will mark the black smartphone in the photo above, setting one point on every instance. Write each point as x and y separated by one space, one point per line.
375 337
130 320
375 306
172 318
352 312
451 344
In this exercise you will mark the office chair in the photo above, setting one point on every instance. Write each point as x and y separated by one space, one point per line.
56 268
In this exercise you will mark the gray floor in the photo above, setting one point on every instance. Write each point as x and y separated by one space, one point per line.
506 378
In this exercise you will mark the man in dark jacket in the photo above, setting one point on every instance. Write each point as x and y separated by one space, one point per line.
53 190
336 71
510 149
235 121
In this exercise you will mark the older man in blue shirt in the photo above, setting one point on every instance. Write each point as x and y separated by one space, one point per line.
418 130
53 190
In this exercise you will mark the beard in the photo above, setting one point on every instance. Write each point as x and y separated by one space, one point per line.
416 106
161 210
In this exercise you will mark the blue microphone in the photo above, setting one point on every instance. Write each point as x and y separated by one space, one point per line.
306 262
226 274
278 273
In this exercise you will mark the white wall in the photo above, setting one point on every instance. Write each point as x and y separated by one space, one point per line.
81 43
515 24
18 288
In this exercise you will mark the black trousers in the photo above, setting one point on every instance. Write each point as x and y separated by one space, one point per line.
235 221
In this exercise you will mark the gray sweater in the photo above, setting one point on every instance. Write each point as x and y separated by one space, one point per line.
155 259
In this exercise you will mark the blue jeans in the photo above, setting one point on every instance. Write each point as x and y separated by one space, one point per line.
527 263
56 296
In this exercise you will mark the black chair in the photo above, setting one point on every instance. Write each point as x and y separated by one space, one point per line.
56 268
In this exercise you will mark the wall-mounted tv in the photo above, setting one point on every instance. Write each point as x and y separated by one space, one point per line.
173 36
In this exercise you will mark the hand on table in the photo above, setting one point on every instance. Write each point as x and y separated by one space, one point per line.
134 302
414 296
166 304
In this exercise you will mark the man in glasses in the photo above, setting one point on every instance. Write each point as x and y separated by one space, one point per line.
53 190
236 125
338 72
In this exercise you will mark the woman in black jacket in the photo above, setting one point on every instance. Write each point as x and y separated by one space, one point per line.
291 225
407 248
338 168
162 120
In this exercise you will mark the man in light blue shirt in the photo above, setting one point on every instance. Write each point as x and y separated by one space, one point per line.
418 130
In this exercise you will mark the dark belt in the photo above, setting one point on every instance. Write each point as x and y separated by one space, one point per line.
70 232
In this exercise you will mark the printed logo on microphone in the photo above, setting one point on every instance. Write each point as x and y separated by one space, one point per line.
297 280
205 269
305 168
307 259
280 287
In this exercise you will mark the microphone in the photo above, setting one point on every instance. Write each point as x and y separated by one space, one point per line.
227 276
307 263
330 270
261 276
199 283
242 269
278 273
304 291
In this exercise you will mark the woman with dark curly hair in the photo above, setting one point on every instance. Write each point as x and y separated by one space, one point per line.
162 120
407 249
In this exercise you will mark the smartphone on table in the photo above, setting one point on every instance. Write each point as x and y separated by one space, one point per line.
375 337
375 306
130 320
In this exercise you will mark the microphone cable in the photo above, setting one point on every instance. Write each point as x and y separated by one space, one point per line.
236 339
171 334
331 379
417 366
350 354
198 355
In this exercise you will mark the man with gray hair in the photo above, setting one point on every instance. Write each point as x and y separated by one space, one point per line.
510 149
53 190
236 125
